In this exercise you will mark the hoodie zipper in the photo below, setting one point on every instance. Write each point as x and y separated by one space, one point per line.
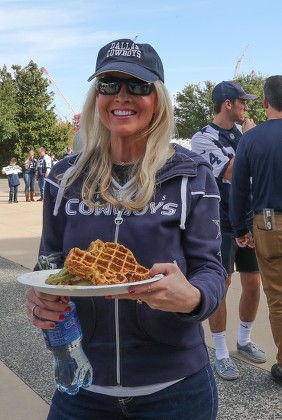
118 221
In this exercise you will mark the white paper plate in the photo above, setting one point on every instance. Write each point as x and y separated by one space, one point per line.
37 279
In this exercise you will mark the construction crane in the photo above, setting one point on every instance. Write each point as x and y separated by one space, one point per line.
44 70
238 64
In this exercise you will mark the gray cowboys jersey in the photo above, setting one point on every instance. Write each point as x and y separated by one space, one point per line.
218 146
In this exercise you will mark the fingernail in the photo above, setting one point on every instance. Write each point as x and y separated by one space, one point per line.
52 325
62 317
68 309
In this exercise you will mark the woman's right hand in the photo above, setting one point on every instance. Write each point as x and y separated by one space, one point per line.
45 310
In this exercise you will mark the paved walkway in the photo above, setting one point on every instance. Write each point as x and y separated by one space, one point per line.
26 384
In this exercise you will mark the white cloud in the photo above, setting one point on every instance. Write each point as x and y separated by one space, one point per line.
37 17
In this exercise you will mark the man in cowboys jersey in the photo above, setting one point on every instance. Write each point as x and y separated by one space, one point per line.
217 143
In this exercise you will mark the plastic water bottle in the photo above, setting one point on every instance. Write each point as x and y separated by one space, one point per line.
71 365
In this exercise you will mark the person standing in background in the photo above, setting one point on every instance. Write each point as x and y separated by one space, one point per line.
43 168
217 143
12 172
30 164
54 160
68 152
258 169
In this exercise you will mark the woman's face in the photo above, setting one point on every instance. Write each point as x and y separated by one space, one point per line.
124 113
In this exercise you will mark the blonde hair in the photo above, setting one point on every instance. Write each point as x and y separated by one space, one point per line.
95 159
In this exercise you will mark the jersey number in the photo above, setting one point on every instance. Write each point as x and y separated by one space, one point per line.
214 159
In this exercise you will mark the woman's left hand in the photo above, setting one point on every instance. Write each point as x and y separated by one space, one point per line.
172 293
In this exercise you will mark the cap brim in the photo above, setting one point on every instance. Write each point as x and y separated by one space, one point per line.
248 96
128 68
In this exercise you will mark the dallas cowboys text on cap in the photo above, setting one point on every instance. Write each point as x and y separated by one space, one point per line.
124 55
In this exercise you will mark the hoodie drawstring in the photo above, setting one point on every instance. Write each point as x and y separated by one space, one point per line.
184 182
62 187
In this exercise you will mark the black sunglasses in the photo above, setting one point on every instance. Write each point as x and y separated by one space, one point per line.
134 86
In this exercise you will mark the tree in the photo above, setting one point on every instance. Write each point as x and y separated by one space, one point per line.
76 122
37 122
27 116
254 84
8 112
194 108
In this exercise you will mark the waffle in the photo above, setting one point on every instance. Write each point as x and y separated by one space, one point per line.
105 263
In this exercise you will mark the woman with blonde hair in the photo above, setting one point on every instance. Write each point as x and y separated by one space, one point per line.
132 186
29 175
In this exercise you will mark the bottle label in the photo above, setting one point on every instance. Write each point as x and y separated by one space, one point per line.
65 333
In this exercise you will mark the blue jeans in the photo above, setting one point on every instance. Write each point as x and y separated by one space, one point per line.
41 185
29 180
13 194
193 398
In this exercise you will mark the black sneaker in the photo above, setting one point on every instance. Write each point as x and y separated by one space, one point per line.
276 373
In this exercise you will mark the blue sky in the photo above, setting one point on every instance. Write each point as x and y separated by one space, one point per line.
198 40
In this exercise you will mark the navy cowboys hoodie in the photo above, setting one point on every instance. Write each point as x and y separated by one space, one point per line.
130 344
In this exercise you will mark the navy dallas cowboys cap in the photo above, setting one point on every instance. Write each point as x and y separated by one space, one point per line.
124 55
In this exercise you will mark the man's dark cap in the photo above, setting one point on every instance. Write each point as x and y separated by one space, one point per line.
229 90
